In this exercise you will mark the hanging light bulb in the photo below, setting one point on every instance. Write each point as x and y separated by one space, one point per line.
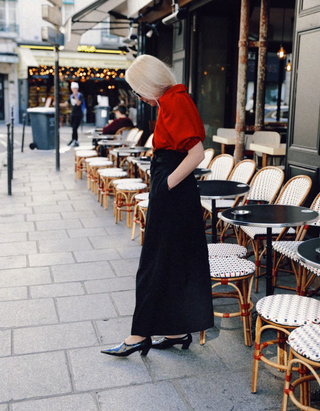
288 66
281 53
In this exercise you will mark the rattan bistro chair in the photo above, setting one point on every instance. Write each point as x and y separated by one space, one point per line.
282 313
287 249
124 198
221 167
237 273
264 187
81 156
92 165
304 345
105 187
293 193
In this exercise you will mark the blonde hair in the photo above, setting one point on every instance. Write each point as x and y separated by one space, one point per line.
150 77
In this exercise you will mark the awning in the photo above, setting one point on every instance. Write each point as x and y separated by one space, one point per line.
26 59
9 58
86 19
35 58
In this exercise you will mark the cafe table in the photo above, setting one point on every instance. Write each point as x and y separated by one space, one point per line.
218 189
309 252
269 216
131 150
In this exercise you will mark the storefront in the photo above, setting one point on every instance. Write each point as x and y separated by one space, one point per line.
98 72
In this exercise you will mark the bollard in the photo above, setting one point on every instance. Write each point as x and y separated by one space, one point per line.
12 139
24 116
9 158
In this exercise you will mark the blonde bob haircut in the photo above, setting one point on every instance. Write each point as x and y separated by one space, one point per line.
150 77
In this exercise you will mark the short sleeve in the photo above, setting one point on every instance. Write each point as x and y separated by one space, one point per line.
182 121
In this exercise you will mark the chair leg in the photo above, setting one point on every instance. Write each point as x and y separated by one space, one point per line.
202 337
256 356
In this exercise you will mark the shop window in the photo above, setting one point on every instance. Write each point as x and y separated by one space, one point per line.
8 16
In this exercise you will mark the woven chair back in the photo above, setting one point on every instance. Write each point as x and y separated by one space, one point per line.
243 171
136 138
208 156
132 132
295 191
316 207
148 143
266 184
221 167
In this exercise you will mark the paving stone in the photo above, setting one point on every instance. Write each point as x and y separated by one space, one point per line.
46 259
82 271
27 312
130 252
78 402
114 330
155 397
13 262
56 290
5 344
24 276
125 301
19 248
231 392
93 370
36 375
53 337
87 307
47 199
125 268
88 232
11 218
119 228
177 363
44 217
57 225
97 222
96 255
112 241
12 237
89 204
112 284
78 214
16 227
45 235
3 407
14 293
48 209
69 244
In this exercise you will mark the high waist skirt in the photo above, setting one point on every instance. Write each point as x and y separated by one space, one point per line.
173 286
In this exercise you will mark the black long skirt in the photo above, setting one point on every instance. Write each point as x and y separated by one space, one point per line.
173 287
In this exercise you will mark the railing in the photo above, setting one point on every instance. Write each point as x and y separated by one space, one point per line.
9 28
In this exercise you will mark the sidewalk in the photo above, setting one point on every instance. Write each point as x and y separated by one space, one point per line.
67 280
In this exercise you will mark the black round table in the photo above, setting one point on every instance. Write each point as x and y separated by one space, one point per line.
199 172
216 189
269 216
132 150
309 252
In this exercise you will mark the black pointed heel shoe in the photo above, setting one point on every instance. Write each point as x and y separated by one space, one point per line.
123 350
165 342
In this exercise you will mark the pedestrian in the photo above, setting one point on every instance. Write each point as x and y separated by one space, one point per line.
173 287
76 100
120 121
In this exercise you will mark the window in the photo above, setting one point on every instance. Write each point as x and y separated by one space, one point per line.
8 16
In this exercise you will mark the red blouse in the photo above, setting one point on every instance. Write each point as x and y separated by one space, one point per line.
179 126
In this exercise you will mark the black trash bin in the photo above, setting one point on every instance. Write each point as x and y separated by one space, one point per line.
42 124
102 115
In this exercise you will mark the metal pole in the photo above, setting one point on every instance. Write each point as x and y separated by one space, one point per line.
242 80
56 98
280 80
9 159
12 139
24 115
262 65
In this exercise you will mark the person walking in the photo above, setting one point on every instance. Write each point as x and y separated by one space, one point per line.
173 286
76 100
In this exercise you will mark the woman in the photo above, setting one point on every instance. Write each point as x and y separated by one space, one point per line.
173 288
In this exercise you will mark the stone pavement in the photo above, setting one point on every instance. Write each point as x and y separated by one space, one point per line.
67 280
